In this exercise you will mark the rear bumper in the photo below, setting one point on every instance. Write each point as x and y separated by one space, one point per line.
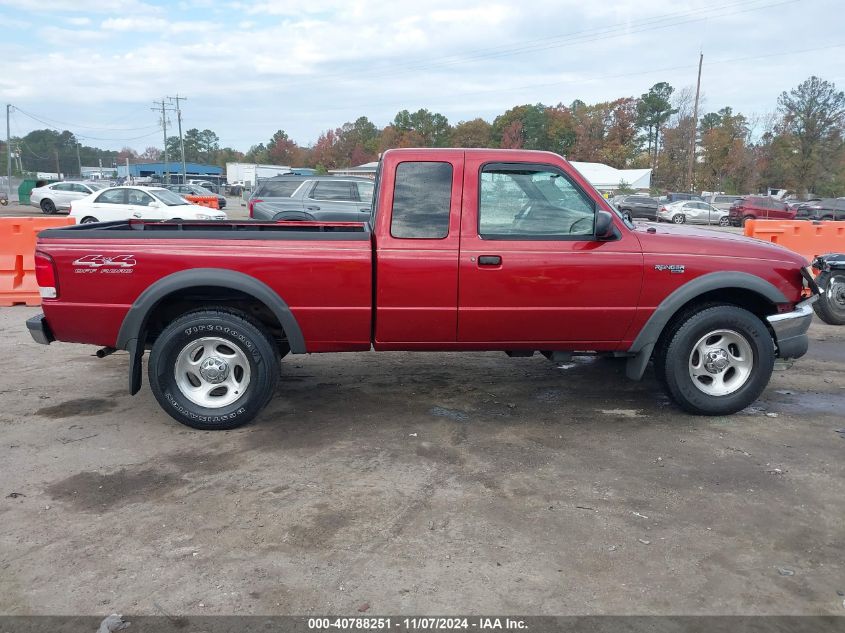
790 329
39 330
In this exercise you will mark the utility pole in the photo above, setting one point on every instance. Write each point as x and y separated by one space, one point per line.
691 160
177 98
58 167
9 147
78 160
162 103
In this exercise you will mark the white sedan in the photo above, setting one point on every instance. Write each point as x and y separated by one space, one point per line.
146 203
692 212
60 195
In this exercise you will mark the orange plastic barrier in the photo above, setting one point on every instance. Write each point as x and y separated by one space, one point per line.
17 258
204 201
803 237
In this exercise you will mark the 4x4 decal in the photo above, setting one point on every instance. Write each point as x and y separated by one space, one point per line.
105 264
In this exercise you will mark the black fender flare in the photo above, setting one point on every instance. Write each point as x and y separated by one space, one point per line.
135 322
643 345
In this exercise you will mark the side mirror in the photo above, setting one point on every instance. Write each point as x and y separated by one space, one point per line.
627 216
604 226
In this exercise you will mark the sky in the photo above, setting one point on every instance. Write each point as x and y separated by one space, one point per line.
95 67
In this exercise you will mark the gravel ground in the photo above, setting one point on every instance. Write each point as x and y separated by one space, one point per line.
419 484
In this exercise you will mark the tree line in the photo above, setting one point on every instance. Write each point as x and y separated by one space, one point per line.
800 146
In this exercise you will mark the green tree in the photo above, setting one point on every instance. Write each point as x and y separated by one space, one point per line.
813 116
653 111
475 133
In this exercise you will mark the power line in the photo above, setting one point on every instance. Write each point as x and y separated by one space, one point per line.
86 127
566 40
594 78
85 136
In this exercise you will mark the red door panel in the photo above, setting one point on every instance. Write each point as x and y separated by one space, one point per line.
417 278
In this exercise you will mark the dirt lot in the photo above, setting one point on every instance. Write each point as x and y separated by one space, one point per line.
419 483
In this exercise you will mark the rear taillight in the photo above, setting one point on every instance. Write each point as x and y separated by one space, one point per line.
251 204
45 275
664 210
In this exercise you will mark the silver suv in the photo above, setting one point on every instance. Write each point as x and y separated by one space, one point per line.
313 199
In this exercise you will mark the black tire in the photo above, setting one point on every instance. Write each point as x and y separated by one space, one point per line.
746 218
830 306
47 206
679 218
241 336
676 357
88 219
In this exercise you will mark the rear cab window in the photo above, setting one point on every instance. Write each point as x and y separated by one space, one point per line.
421 200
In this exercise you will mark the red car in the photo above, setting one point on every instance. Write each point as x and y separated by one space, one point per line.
466 250
759 207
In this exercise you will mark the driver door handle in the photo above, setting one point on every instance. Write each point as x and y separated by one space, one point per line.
313 208
489 260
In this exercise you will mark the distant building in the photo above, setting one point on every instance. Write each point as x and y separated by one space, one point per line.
606 178
367 170
157 171
99 173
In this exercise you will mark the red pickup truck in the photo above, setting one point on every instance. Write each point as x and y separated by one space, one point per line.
465 250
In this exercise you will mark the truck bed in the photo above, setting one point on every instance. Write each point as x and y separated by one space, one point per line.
322 271
202 229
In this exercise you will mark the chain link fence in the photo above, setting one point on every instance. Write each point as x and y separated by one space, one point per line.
11 192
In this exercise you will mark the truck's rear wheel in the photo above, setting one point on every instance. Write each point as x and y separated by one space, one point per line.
213 370
830 306
718 361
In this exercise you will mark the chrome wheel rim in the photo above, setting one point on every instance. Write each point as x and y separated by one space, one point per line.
212 372
724 221
836 292
721 362
678 219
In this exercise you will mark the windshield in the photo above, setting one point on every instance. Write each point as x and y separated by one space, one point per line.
169 198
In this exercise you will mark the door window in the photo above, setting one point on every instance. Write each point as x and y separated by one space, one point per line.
63 186
138 198
81 189
334 191
526 203
421 200
112 196
365 191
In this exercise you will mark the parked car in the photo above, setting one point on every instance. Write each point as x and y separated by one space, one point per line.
318 198
281 187
638 206
722 201
693 212
58 195
827 209
148 203
759 207
196 190
677 197
487 249
207 184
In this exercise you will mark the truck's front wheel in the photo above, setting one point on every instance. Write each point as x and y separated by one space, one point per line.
213 370
718 361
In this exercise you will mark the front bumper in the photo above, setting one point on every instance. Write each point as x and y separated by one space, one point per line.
790 329
39 330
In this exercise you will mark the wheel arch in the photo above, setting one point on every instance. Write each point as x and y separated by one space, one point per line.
732 287
227 285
